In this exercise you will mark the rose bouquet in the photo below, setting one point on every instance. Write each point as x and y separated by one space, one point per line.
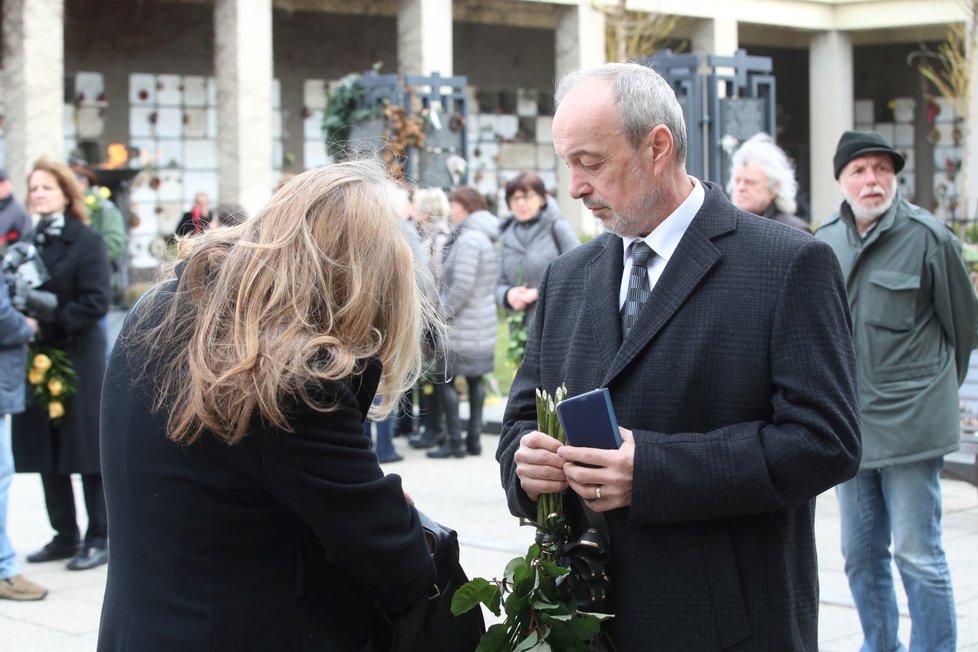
542 612
51 378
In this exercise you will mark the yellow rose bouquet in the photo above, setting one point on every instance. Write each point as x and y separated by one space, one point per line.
51 378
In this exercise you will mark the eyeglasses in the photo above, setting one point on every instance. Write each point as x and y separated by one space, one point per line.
518 198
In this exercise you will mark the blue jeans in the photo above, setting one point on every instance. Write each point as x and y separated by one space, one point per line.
903 501
385 438
8 559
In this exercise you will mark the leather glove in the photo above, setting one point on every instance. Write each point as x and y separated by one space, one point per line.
41 304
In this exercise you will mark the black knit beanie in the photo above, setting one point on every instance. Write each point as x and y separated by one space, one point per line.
856 143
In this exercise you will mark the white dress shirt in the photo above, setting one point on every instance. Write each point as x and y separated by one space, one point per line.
663 240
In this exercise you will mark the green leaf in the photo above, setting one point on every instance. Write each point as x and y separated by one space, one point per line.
516 570
473 593
494 604
494 640
543 605
514 604
524 587
553 570
562 638
528 643
585 628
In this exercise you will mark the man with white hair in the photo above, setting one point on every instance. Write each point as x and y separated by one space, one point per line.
914 317
762 181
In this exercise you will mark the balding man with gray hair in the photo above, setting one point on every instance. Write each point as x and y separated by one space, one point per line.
722 340
762 181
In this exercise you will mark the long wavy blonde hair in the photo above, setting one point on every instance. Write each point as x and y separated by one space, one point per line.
313 287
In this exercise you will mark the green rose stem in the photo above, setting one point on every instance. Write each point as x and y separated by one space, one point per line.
550 507
542 427
540 612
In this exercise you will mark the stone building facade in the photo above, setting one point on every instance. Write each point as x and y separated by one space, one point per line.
224 96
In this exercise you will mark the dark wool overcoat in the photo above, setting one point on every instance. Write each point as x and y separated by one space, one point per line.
738 383
79 269
280 542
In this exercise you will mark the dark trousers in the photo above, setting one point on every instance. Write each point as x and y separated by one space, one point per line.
406 419
60 500
446 398
477 397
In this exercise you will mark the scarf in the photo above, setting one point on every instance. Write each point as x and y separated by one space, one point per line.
49 229
195 217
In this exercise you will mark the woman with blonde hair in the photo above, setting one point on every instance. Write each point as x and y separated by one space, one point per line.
248 511
75 258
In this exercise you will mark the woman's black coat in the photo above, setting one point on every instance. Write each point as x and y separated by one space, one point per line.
280 542
79 270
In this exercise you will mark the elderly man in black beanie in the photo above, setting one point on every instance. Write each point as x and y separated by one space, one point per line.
915 316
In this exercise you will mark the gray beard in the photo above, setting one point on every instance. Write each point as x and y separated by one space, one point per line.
863 215
634 224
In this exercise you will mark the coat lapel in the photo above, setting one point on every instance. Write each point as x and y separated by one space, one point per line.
602 283
691 262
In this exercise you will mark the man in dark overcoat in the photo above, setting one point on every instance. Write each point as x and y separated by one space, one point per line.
734 385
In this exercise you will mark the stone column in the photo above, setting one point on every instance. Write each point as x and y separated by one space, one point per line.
424 37
831 112
243 66
33 86
579 43
969 164
715 36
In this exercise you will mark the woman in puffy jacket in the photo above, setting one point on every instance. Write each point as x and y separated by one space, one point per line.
469 273
531 237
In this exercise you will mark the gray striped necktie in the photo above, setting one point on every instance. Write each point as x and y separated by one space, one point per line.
638 285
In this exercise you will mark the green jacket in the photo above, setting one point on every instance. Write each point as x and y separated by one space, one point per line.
107 221
915 322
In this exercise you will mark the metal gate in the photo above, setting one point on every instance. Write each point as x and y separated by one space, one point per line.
446 104
725 101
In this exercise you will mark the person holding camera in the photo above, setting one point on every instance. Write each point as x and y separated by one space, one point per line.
15 331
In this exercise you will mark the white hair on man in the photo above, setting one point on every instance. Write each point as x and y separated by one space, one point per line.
761 150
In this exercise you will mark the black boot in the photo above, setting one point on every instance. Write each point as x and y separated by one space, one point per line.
427 439
451 448
433 433
477 396
447 399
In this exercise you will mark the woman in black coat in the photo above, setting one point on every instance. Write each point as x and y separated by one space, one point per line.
247 509
76 260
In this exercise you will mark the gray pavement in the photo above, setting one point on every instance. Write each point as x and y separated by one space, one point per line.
466 495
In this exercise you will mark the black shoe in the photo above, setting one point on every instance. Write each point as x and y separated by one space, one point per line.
472 445
448 449
89 557
392 459
53 552
426 439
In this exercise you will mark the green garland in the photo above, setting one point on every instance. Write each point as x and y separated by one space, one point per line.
342 114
